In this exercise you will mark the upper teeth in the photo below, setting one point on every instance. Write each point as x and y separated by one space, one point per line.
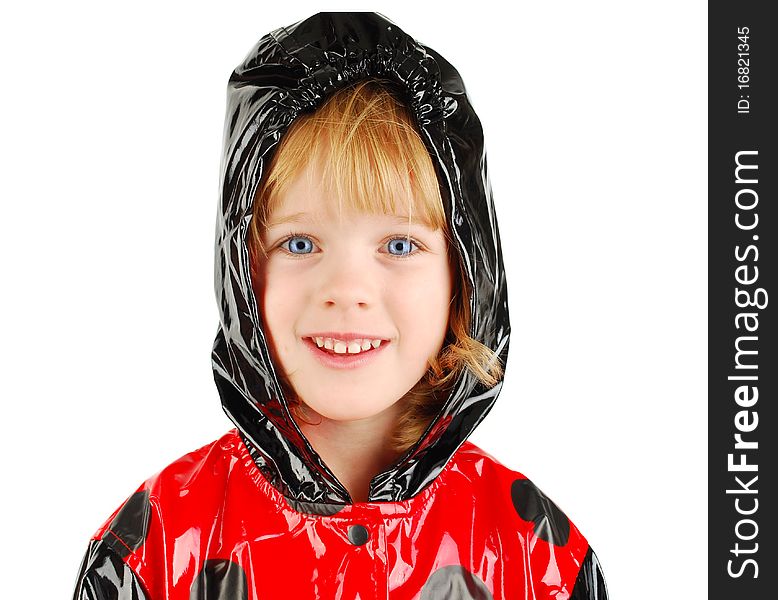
341 347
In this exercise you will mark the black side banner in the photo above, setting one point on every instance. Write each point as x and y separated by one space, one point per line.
742 267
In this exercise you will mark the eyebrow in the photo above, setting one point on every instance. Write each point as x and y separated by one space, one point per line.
304 216
293 218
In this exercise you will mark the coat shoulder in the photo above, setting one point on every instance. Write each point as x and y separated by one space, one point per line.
536 517
186 496
534 509
472 457
127 527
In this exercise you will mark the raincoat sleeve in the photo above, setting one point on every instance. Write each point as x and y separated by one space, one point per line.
590 584
104 575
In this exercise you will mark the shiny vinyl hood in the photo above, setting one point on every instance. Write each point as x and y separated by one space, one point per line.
291 71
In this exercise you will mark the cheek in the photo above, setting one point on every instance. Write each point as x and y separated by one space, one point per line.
424 306
278 306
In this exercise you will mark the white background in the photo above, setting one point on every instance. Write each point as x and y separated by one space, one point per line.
595 116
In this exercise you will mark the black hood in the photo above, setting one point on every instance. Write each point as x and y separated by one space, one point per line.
291 71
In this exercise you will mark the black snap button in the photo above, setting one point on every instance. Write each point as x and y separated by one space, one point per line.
357 534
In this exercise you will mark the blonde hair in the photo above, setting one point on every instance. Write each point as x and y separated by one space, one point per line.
377 163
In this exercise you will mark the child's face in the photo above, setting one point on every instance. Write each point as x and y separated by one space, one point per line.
329 278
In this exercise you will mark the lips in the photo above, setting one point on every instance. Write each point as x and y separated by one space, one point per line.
342 356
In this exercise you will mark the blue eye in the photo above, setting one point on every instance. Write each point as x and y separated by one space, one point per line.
299 244
400 246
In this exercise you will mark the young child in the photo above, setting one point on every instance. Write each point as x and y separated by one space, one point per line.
364 327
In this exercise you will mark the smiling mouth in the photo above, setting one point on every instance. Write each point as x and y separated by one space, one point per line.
342 355
353 346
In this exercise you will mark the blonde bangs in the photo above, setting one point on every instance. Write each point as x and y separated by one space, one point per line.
372 159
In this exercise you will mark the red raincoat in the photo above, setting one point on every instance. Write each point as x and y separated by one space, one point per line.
257 514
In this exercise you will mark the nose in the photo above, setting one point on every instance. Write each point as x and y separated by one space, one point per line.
347 282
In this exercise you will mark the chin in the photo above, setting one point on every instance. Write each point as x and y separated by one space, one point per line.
348 413
347 409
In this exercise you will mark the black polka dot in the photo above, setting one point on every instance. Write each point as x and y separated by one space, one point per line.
455 583
358 535
550 523
220 579
129 527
